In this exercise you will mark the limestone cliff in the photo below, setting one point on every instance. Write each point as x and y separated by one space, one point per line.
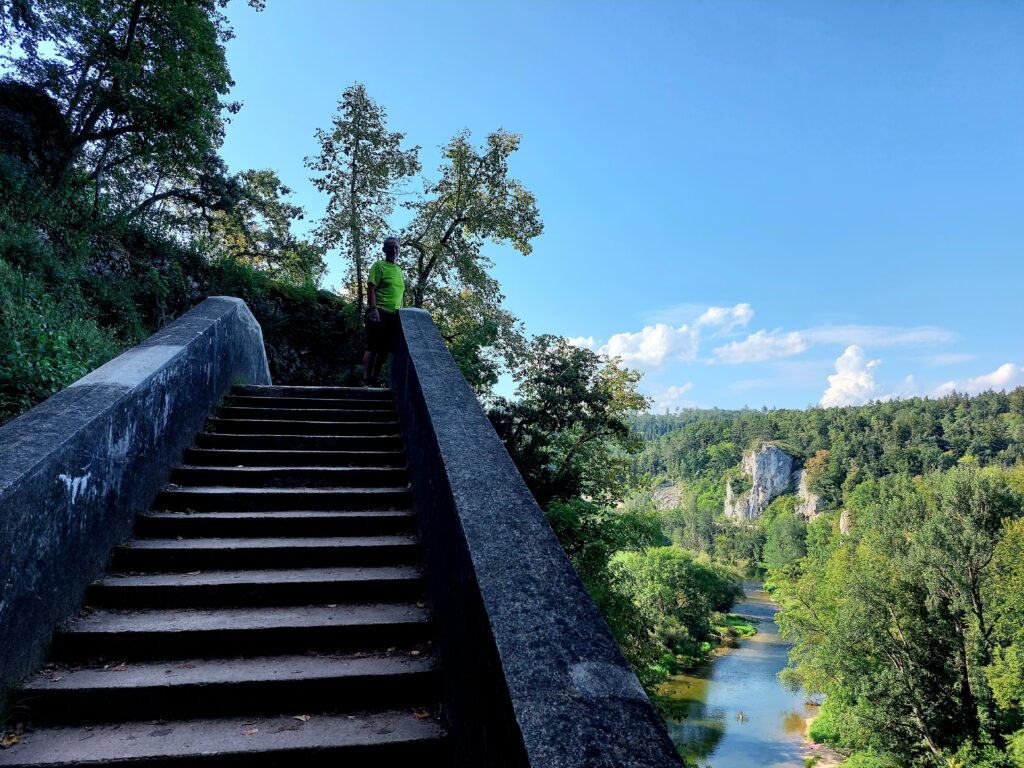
770 470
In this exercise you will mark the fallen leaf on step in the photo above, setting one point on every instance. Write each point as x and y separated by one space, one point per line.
56 679
303 718
332 605
120 667
193 573
414 653
9 740
421 714
421 604
250 731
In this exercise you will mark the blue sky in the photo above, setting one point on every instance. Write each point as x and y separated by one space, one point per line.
755 203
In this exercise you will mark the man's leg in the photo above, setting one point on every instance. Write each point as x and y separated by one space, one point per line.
369 363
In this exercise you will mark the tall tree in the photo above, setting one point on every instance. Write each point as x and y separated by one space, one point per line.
359 164
474 201
140 85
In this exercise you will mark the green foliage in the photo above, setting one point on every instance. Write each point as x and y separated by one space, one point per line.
140 87
568 431
785 538
898 622
869 758
676 595
42 348
257 230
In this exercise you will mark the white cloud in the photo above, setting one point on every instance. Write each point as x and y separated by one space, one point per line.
726 318
587 342
761 346
671 398
853 383
1006 376
876 335
948 358
908 388
654 345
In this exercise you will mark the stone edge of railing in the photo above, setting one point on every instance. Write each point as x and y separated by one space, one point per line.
531 673
76 469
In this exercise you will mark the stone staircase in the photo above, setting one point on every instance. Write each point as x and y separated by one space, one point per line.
270 610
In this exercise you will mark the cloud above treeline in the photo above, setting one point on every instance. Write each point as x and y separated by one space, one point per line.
854 380
659 343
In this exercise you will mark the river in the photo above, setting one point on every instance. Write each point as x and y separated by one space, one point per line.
733 712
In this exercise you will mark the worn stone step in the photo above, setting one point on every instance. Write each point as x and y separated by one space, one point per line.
299 442
333 428
263 685
238 588
330 393
376 738
251 401
278 552
291 477
222 632
306 414
214 457
268 524
231 499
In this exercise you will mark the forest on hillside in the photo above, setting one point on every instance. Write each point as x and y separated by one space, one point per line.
902 595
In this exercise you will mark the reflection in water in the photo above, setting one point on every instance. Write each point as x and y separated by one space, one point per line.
733 711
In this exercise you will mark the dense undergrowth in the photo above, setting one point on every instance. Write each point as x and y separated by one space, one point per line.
78 286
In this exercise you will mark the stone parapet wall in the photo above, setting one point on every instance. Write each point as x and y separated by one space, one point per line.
76 469
531 673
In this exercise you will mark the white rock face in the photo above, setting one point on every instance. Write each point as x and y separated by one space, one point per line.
810 503
667 495
771 474
845 521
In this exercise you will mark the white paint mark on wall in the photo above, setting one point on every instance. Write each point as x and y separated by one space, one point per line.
75 485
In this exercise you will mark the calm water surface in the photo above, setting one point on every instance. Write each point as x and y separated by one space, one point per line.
707 722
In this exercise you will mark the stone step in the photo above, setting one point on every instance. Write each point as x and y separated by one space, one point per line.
332 428
149 555
330 393
231 499
376 738
306 414
182 633
268 524
251 401
212 457
264 685
294 586
291 477
357 443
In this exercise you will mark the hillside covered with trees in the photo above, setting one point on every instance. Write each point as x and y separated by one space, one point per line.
902 594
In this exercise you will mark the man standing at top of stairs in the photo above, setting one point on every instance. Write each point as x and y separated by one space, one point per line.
384 289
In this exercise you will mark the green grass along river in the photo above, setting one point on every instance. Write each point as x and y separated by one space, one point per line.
733 713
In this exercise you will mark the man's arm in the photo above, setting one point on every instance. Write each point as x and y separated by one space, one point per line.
371 298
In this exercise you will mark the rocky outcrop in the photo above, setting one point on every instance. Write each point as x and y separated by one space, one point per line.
810 502
667 495
770 470
845 521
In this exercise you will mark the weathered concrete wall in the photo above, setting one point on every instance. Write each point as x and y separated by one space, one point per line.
76 469
531 673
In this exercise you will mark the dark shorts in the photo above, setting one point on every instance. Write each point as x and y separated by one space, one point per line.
380 337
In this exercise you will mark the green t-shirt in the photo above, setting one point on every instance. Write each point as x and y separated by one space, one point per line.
389 284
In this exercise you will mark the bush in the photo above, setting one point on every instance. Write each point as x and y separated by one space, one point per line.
870 759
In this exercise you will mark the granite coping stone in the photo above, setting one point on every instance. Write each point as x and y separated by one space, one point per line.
531 673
